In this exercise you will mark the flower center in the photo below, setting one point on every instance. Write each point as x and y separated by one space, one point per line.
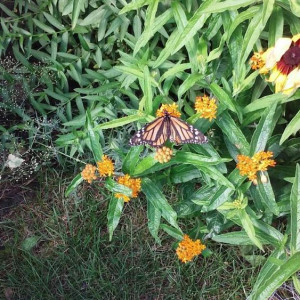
292 56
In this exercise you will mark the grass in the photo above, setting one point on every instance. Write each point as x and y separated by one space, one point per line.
73 259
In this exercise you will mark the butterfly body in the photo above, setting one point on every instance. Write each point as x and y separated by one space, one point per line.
156 133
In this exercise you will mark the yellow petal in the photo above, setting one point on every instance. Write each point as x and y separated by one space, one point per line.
263 70
293 80
280 82
289 91
296 37
274 75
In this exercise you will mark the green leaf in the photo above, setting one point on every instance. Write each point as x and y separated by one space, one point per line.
264 130
133 70
188 83
249 228
254 29
273 282
175 233
268 6
271 265
94 138
147 91
94 18
267 232
292 128
154 216
267 196
21 58
74 183
295 212
8 11
77 6
158 200
295 7
115 187
233 132
240 18
184 173
53 21
194 24
131 159
236 238
197 159
223 193
264 102
275 26
174 71
223 97
149 24
44 27
30 243
119 122
115 208
135 4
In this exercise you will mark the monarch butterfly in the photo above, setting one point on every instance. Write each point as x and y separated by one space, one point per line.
166 127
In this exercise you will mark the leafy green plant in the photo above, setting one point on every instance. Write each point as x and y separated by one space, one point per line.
117 62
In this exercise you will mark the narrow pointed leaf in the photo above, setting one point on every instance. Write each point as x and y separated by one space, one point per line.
115 208
295 212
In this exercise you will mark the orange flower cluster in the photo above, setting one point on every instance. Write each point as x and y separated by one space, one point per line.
163 154
206 106
257 61
172 109
106 166
88 173
133 183
251 165
187 249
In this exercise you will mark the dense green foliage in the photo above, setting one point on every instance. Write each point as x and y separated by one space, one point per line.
98 68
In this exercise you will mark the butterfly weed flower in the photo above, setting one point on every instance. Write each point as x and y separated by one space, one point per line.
172 109
133 183
88 173
258 61
263 160
187 249
260 161
283 63
206 106
163 155
105 166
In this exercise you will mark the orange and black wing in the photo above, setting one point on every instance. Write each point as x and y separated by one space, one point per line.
154 134
184 133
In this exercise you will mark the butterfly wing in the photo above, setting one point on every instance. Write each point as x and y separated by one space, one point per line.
154 134
184 133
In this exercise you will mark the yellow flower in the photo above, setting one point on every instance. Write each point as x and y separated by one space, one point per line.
206 107
133 183
257 61
187 249
106 166
259 162
283 62
88 173
122 196
163 154
172 109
